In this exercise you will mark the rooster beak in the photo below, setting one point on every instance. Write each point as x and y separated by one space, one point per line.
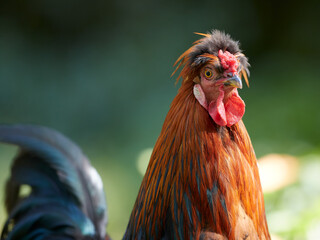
234 81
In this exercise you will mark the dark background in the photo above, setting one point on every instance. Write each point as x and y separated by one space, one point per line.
99 72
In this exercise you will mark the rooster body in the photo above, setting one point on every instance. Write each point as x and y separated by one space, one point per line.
202 181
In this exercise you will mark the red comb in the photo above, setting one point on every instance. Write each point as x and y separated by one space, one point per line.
228 61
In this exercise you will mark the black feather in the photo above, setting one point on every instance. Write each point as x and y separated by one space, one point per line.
67 199
215 41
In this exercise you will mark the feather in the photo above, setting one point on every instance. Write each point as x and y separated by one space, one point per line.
244 73
67 198
202 34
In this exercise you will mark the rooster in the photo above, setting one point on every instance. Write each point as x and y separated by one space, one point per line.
202 181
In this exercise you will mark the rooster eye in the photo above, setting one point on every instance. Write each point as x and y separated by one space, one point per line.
208 73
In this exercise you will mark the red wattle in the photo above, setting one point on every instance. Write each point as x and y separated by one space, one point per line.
228 112
225 112
234 108
217 110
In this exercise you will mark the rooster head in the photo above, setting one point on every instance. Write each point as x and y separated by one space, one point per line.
215 64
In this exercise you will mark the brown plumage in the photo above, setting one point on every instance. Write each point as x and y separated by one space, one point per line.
202 181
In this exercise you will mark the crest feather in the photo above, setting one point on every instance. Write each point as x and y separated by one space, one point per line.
210 45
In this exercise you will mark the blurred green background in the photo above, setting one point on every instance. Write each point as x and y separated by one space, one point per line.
99 72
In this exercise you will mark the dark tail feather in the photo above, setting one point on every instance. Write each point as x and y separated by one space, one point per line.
67 199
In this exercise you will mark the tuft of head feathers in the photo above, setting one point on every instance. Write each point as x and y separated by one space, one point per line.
207 49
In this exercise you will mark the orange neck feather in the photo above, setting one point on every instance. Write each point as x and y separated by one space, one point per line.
198 177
